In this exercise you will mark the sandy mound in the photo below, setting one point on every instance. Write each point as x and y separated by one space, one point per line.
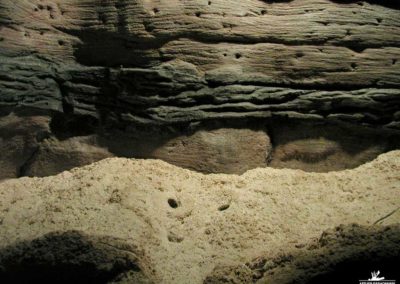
156 222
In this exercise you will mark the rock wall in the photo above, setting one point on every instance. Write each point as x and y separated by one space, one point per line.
126 69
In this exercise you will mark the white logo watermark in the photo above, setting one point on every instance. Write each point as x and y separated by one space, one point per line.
375 278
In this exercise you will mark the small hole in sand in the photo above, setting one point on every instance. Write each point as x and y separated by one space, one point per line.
223 207
354 65
172 203
263 12
174 238
198 14
209 2
394 61
61 42
156 10
379 20
238 55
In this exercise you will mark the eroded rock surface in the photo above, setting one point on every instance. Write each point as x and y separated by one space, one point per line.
223 150
97 67
158 62
40 146
186 227
19 141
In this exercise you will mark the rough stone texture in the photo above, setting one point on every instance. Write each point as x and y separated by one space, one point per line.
95 66
162 62
186 227
19 141
213 151
55 156
321 148
223 150
30 148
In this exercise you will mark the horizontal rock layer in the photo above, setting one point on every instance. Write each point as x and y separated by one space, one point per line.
106 68
162 62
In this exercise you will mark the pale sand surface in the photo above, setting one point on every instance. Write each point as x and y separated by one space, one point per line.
219 220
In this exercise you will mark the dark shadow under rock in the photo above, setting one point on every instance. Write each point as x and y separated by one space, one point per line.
345 254
387 3
70 257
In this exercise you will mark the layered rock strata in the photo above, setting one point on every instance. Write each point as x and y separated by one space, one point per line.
100 66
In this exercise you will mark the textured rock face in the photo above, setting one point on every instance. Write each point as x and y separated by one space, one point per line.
31 149
123 219
98 66
222 150
213 86
19 140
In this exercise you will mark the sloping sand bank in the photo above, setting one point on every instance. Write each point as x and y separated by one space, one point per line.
153 222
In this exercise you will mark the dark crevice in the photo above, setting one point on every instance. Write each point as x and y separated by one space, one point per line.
394 4
66 100
24 168
215 83
65 126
